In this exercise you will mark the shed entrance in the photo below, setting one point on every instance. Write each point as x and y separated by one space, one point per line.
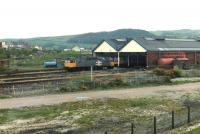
133 59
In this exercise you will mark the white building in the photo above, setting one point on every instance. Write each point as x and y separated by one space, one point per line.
76 49
66 50
4 45
38 47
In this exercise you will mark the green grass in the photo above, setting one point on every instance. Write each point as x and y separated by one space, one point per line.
4 96
73 108
195 131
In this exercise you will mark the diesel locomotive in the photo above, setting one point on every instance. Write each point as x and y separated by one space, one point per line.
85 63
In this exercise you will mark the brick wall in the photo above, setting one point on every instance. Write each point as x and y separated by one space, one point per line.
153 57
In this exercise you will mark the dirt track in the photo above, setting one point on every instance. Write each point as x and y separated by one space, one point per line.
170 91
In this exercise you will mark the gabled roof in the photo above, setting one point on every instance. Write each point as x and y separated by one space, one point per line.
158 44
117 44
151 44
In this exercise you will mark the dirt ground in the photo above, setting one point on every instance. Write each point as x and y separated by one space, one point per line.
172 91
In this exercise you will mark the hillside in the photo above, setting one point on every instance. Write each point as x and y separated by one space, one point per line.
184 33
93 38
88 40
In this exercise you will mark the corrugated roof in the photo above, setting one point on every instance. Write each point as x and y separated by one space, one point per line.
151 44
168 44
117 44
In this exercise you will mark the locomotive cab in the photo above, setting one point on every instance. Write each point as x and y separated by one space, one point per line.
70 64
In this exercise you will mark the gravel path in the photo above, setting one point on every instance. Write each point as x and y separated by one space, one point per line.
170 91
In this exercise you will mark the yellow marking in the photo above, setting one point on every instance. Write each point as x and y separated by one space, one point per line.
70 65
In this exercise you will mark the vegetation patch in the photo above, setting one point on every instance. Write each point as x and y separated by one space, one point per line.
96 115
195 131
172 73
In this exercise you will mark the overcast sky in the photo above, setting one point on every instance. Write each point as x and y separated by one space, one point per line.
34 18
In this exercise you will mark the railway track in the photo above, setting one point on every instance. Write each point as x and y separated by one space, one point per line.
23 74
40 73
56 75
34 81
50 79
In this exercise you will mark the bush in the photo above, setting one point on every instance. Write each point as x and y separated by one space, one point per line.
3 69
70 87
172 73
117 82
159 72
76 86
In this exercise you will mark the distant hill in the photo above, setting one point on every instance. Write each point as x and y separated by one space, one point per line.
184 33
88 40
93 38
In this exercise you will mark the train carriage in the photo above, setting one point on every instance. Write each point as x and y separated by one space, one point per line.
84 63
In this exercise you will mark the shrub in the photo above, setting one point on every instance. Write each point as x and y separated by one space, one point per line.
117 82
159 72
70 87
76 86
172 73
3 69
83 88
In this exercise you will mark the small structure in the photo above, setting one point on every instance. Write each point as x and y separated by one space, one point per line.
38 47
82 49
4 45
76 49
66 50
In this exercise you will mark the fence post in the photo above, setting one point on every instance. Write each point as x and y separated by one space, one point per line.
94 84
57 85
154 120
43 87
13 88
172 119
132 128
91 73
22 91
188 114
106 132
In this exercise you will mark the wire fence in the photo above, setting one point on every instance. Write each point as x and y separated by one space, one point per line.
160 123
48 87
163 123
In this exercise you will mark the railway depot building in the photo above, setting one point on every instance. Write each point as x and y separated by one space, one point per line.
150 52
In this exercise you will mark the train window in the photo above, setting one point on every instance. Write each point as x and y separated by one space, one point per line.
71 61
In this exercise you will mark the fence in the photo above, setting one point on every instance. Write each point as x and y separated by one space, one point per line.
78 85
162 123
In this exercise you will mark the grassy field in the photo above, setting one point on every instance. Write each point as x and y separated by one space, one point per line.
195 131
99 115
87 116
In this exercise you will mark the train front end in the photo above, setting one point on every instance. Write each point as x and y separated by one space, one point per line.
70 64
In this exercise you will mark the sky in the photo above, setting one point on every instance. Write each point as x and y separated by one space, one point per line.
39 18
